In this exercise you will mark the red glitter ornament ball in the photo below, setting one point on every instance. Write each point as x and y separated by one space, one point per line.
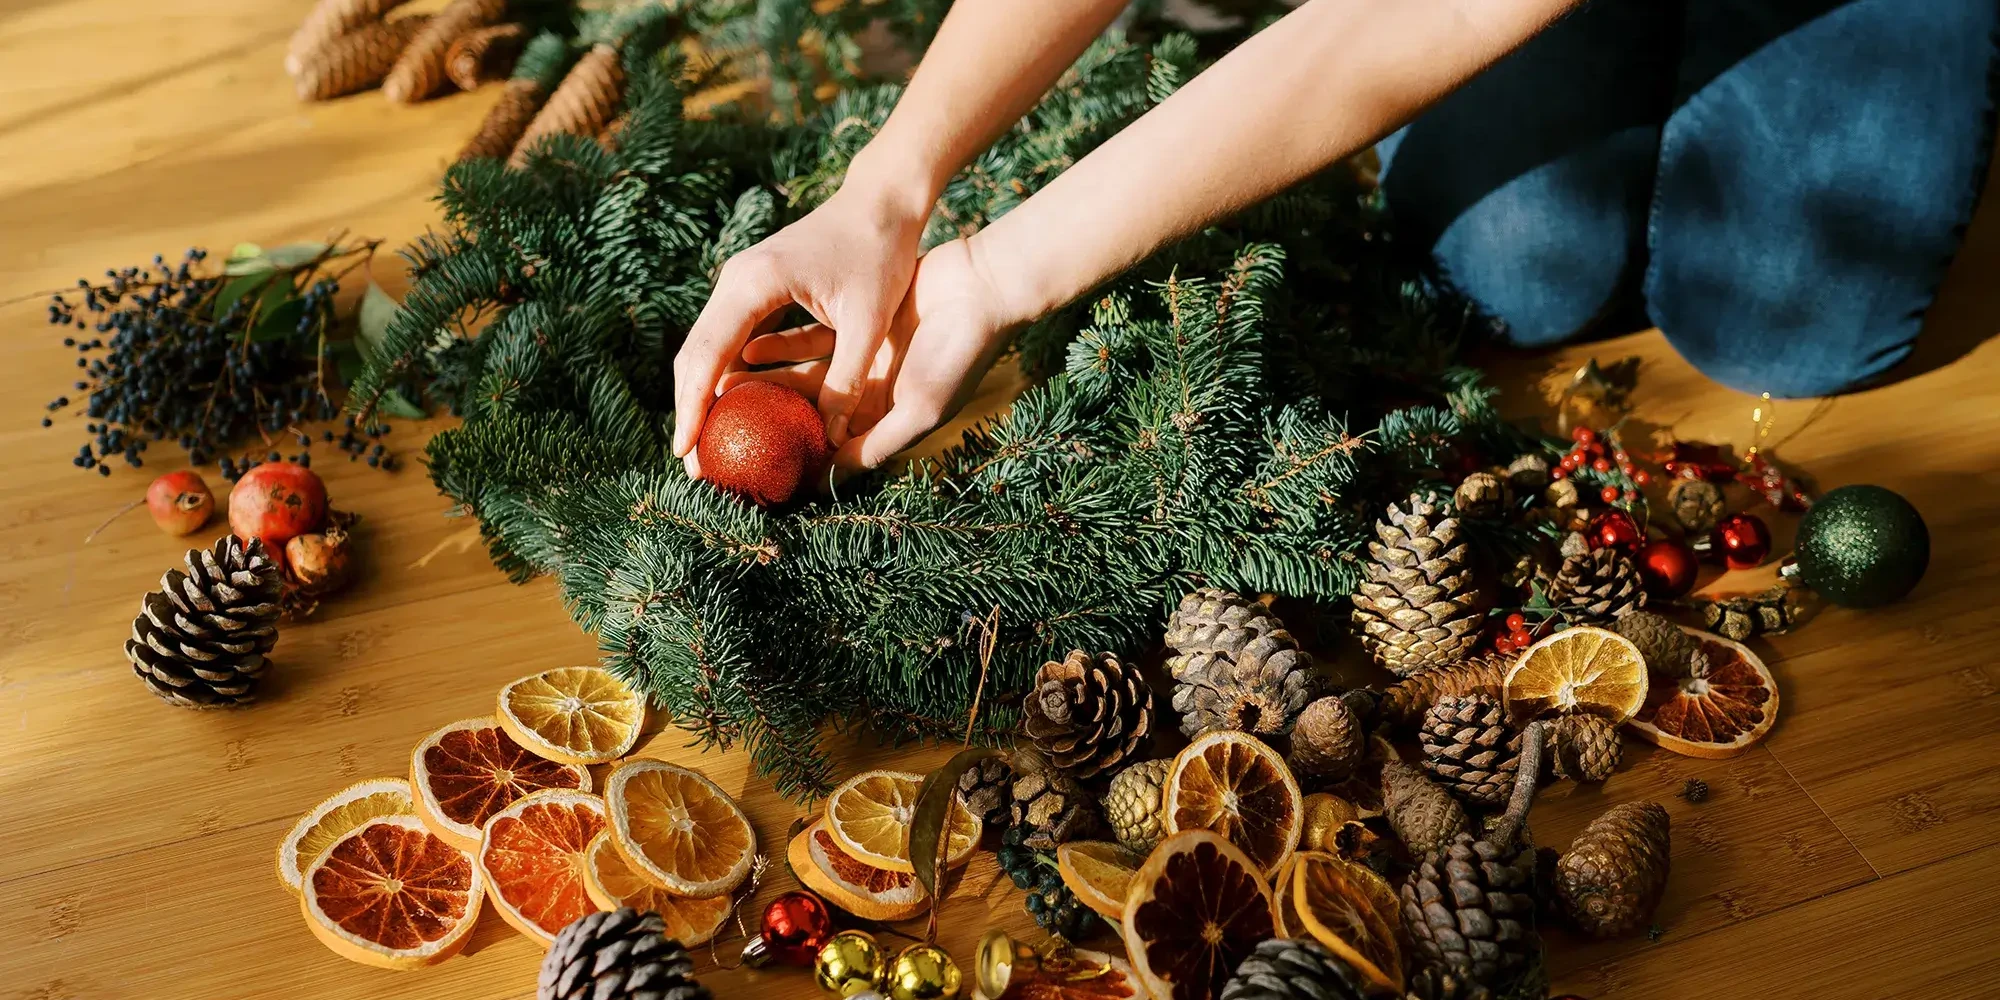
1614 529
1743 541
1667 567
795 926
763 441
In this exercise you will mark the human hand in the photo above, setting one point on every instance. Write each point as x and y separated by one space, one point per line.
945 336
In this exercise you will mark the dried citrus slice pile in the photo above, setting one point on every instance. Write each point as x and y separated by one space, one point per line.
1197 908
532 858
573 715
1582 669
467 771
870 817
860 888
1100 873
1232 784
330 820
678 828
613 883
1351 911
1727 705
393 894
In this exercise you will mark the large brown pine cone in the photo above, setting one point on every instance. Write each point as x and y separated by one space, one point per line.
356 61
328 20
1260 689
1597 586
1211 621
619 955
1421 812
1419 608
1303 969
1667 650
1088 713
1051 806
988 790
1470 749
1611 879
582 104
200 640
1469 912
1404 703
419 72
1328 740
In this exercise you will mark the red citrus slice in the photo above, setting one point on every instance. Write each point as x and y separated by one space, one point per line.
860 888
532 857
390 893
471 769
1197 908
1722 709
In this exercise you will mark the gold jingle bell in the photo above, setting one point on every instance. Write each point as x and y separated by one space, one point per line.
998 958
923 972
850 963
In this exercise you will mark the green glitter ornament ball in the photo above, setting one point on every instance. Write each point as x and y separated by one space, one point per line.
1862 546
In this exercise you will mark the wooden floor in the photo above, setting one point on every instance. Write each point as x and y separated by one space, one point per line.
1852 855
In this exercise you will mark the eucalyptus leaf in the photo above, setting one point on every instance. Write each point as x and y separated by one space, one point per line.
245 251
378 308
294 254
249 265
279 321
238 287
395 404
934 800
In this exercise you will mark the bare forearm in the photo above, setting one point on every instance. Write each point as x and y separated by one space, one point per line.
1327 80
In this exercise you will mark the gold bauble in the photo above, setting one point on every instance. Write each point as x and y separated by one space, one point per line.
850 962
1325 813
923 972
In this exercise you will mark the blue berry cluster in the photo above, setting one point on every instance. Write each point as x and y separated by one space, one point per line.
1054 907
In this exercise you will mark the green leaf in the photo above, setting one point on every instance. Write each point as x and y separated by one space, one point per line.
237 288
934 799
395 404
378 308
278 321
346 360
248 265
294 254
245 251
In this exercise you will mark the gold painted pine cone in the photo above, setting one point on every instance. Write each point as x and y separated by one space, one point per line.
1135 804
1611 879
1418 609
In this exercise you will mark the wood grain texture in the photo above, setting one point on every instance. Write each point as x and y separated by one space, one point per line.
1846 857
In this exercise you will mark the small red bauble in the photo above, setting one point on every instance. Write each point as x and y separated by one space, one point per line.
794 928
1666 567
180 502
1743 540
763 441
277 502
1614 529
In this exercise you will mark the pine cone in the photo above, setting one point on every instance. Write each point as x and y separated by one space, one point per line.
1211 621
420 71
620 955
1667 650
483 55
1584 747
1597 586
1294 970
1470 749
1421 812
1528 473
200 639
1088 713
355 62
1405 702
1773 611
1697 504
1051 806
987 786
1612 879
1327 741
582 105
1418 609
1135 805
1261 689
328 20
1482 495
1562 495
537 72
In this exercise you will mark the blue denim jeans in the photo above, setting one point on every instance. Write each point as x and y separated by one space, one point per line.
1779 185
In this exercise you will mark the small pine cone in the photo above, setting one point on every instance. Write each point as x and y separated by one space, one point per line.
1597 586
622 954
1211 621
1614 874
1261 689
1528 473
582 105
1051 806
200 640
987 787
1482 495
420 71
483 55
1327 741
1584 747
1088 713
1697 504
1695 790
1405 702
1667 650
1470 749
1562 495
1295 970
1418 609
1421 812
357 61
1135 804
1469 911
328 20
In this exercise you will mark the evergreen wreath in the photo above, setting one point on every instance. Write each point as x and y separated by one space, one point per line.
1233 413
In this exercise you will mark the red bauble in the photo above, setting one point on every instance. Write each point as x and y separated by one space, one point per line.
180 502
1742 540
763 441
1614 529
1667 567
795 925
277 502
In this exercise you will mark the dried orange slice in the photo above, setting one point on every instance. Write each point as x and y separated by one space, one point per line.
860 888
1197 908
330 820
467 771
532 859
1721 710
678 828
391 893
1100 873
870 817
1231 783
1581 669
612 883
1283 916
573 715
1351 911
